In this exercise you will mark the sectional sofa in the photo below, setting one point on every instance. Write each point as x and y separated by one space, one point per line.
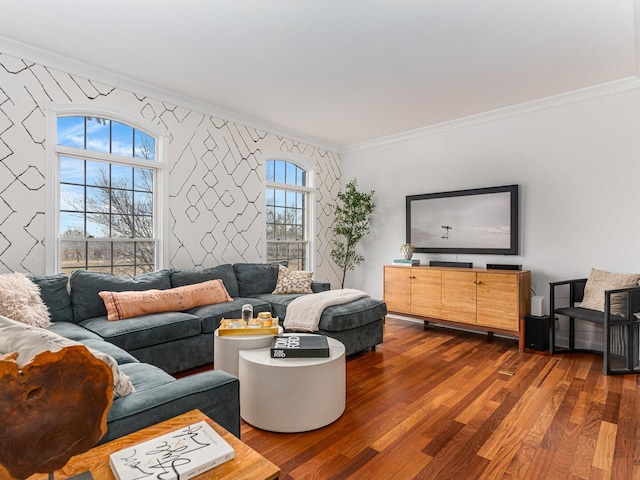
180 340
150 347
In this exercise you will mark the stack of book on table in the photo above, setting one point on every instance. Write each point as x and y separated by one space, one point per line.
178 455
294 346
405 262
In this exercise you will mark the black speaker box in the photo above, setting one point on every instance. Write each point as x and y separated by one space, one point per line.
436 263
536 332
503 266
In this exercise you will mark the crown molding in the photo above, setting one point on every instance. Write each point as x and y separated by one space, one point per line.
574 96
85 70
74 67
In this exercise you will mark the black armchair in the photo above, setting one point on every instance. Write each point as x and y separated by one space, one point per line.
621 332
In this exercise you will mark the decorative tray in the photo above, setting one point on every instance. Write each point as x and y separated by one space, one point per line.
257 326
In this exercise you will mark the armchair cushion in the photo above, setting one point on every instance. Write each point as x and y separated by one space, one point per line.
598 282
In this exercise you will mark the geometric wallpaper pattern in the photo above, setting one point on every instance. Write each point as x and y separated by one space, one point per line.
216 167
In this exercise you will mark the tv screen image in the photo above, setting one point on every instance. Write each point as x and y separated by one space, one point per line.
482 220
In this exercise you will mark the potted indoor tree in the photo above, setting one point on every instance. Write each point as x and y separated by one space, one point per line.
351 223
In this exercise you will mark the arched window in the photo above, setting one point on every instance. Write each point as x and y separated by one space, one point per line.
106 196
289 201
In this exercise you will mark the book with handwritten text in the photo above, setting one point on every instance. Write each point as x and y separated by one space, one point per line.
179 455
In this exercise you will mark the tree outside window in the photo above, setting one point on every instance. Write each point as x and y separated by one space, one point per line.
287 197
106 211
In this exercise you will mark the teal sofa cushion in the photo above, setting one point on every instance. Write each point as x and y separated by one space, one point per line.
55 295
256 278
278 303
121 356
212 314
145 330
159 396
73 331
226 273
352 315
85 285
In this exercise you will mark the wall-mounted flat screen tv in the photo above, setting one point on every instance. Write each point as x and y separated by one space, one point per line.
480 220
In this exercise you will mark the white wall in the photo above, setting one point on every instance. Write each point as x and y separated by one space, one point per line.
578 167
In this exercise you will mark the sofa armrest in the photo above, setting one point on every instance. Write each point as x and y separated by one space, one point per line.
215 393
318 287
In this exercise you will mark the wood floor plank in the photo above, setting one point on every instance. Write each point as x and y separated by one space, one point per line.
565 452
581 467
603 456
522 462
436 404
519 421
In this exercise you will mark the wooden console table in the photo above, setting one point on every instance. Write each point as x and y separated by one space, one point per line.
489 300
247 464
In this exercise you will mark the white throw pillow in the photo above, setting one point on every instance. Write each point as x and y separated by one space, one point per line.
29 341
20 300
293 281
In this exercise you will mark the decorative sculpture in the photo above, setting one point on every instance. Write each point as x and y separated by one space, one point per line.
407 250
52 408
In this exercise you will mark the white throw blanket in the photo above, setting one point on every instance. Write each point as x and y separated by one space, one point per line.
304 312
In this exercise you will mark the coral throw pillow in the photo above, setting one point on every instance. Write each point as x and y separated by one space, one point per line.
121 305
293 281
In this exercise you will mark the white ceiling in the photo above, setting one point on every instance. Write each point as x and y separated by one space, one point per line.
342 71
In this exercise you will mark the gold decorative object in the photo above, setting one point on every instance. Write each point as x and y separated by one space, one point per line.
256 326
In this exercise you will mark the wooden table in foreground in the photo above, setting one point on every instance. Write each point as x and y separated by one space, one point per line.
247 464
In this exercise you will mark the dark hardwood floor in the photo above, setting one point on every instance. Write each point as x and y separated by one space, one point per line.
443 404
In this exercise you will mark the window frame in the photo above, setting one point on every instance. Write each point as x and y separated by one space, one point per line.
309 190
159 166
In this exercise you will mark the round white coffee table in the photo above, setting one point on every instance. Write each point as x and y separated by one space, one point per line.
292 394
226 348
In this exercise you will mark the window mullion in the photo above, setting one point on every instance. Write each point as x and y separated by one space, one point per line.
127 253
286 226
108 157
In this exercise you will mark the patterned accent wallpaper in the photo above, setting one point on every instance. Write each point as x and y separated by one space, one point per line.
216 189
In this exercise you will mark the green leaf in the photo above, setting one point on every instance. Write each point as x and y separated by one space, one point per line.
350 226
